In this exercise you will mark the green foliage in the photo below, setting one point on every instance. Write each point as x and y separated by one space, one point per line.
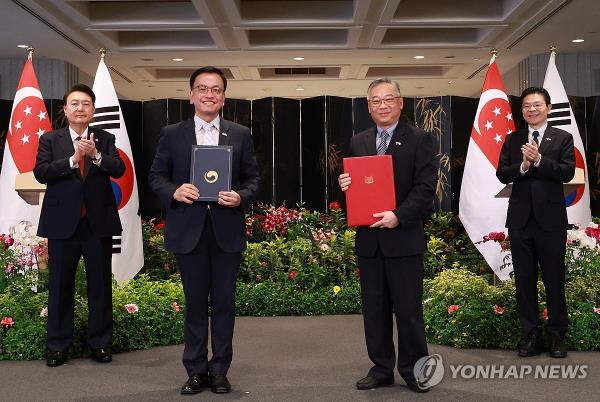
301 262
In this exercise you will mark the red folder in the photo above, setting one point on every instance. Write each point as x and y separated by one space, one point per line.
372 189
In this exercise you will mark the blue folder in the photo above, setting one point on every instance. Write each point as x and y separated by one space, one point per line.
210 170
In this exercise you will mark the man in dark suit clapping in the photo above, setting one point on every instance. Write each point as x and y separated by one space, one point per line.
207 237
79 217
390 252
538 160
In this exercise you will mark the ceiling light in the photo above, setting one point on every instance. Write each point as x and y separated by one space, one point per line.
299 88
299 58
419 87
449 82
177 59
449 57
418 57
578 40
23 46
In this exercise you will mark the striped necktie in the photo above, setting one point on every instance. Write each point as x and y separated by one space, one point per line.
382 142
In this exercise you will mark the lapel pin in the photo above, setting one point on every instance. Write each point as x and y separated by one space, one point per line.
398 143
548 139
225 134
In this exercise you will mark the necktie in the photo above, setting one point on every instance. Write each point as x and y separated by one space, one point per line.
82 170
382 142
536 138
208 137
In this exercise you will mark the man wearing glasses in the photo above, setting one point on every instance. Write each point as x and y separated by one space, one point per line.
538 160
207 238
79 217
390 252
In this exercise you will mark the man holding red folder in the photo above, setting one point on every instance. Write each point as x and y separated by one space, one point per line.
390 251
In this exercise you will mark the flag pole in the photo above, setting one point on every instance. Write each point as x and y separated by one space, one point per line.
102 52
30 50
553 50
494 54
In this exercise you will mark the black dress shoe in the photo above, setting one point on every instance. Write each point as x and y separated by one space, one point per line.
55 358
219 384
102 355
557 348
532 346
371 382
413 385
195 384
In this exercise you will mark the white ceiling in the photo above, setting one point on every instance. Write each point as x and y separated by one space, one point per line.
346 43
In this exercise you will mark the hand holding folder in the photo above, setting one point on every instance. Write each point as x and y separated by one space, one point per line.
372 190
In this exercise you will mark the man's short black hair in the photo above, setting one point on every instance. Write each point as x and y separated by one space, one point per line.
80 88
536 90
211 70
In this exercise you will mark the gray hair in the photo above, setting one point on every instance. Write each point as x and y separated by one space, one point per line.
383 80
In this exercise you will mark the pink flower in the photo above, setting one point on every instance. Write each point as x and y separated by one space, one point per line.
292 275
175 307
7 322
452 308
596 310
9 268
324 247
357 272
44 312
499 309
545 313
132 308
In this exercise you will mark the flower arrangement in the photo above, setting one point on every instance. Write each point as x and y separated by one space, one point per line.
23 256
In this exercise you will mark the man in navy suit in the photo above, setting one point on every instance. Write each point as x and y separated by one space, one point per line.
79 217
207 238
538 160
390 252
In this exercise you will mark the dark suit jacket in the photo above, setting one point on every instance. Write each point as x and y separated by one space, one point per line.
66 189
415 174
541 189
171 168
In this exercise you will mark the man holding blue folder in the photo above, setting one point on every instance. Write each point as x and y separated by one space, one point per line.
206 237
390 251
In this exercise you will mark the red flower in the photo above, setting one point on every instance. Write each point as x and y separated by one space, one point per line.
452 308
132 308
159 226
7 322
357 272
334 205
292 275
499 310
545 313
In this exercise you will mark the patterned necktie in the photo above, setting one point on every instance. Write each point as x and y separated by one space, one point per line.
382 142
536 138
208 137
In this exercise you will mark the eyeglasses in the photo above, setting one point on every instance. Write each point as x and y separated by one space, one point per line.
203 90
536 106
376 102
84 105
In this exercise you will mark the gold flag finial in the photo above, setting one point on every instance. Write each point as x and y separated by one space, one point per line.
102 52
553 49
30 50
494 52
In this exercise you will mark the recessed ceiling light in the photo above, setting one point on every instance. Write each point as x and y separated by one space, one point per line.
449 57
23 46
578 40
418 57
449 82
179 90
150 86
299 88
147 59
177 59
477 58
419 87
299 58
